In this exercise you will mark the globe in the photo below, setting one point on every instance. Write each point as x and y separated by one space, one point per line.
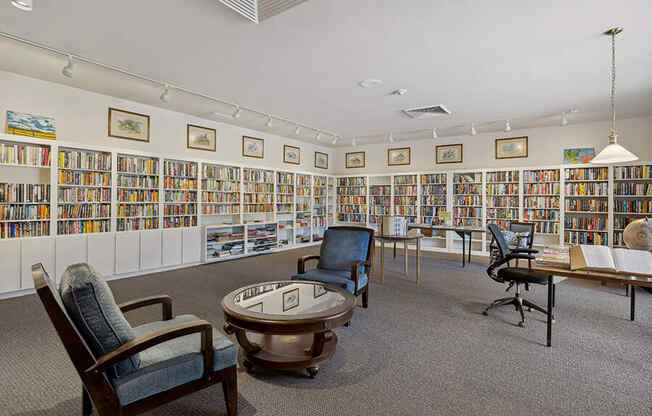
638 235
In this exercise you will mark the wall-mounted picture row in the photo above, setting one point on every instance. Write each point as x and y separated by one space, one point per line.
355 160
253 147
201 138
128 125
510 148
291 154
321 160
398 157
448 153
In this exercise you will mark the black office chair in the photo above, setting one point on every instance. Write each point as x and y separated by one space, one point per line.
514 276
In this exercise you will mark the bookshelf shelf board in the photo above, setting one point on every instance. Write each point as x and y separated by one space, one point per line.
537 220
632 196
86 203
586 180
587 212
25 203
34 220
85 170
261 237
527 182
137 174
131 202
84 219
632 179
541 209
214 242
633 213
182 177
136 217
174 202
65 185
587 196
22 165
585 231
220 203
138 188
526 195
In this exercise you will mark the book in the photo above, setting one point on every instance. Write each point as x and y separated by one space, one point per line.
620 260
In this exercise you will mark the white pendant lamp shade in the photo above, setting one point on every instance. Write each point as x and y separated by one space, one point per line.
614 153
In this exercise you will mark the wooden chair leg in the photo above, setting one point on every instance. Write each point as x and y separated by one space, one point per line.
230 388
365 297
87 404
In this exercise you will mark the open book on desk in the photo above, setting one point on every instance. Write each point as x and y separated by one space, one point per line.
602 258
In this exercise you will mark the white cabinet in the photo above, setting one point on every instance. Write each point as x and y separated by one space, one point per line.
32 251
191 245
127 252
172 241
70 249
9 265
101 253
150 249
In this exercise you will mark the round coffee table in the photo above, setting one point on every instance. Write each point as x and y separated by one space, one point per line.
287 325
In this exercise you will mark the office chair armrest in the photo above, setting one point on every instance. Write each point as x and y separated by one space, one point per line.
520 256
301 263
144 342
355 268
164 300
525 250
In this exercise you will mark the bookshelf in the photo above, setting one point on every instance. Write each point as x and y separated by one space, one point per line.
632 197
406 197
261 237
180 186
319 207
303 210
220 194
224 242
331 196
541 198
433 197
352 199
380 200
285 207
26 203
83 191
137 193
467 203
502 197
586 205
258 195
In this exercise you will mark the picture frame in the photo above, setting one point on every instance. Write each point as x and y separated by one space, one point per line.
201 138
355 160
291 154
253 147
290 299
399 156
128 125
321 160
318 291
31 125
576 155
511 148
256 307
449 153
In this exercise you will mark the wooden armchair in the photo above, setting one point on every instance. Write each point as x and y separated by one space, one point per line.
150 384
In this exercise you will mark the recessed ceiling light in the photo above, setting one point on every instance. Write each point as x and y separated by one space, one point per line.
370 83
26 5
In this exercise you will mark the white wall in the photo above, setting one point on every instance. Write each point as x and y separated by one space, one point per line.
545 147
81 116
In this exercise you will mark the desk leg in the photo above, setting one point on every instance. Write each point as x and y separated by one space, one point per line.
405 257
549 323
470 238
632 304
394 249
382 261
463 248
418 259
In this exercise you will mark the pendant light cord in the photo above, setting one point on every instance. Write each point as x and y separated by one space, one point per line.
613 83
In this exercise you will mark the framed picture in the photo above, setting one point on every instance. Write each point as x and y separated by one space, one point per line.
290 299
321 160
291 154
448 153
201 138
25 124
398 157
318 290
513 147
256 307
355 160
253 147
127 125
578 155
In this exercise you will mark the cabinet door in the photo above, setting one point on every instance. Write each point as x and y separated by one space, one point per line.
191 245
127 252
9 265
150 249
101 253
70 249
32 251
172 240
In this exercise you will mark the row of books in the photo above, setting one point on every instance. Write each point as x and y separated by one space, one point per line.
180 209
633 172
303 180
640 206
319 211
129 181
132 195
380 190
431 211
433 189
84 159
542 188
250 209
221 209
380 200
180 196
178 222
352 181
620 221
83 226
24 212
503 213
284 178
303 192
540 214
405 190
258 187
583 237
550 202
133 224
84 178
467 212
352 191
24 192
180 183
353 209
84 211
405 200
586 174
24 229
467 177
145 210
320 181
257 175
544 227
381 210
303 206
592 205
405 180
631 188
502 202
258 198
71 195
221 173
284 199
580 222
285 189
436 178
468 200
504 176
467 222
468 189
502 189
549 175
319 191
587 189
405 210
134 164
23 154
352 200
350 217
433 200
179 168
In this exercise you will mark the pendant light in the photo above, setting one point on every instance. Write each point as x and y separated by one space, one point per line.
613 152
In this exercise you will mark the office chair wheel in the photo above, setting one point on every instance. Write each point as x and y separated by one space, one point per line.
529 309
485 313
521 324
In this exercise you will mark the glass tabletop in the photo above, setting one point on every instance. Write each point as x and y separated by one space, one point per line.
288 298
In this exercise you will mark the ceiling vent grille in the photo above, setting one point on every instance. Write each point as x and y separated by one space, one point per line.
259 10
427 112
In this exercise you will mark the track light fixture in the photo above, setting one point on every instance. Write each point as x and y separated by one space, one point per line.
269 121
236 113
473 130
354 142
508 126
334 140
391 137
564 119
70 68
26 5
434 133
165 95
297 131
318 136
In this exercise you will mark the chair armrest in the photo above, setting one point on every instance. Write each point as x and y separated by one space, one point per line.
355 267
164 300
144 342
524 250
301 264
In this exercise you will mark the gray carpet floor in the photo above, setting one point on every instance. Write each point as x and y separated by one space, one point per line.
415 351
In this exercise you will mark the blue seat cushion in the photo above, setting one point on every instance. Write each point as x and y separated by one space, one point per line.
341 278
341 247
172 363
91 306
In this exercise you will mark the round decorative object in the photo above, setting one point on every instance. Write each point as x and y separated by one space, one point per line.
638 235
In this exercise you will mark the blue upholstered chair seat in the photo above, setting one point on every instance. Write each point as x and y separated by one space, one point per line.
341 278
171 363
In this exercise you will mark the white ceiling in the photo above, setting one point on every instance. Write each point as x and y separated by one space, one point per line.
486 61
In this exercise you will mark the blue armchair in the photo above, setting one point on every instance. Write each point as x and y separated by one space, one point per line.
345 260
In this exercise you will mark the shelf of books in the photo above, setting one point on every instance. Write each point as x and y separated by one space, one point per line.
380 200
24 201
406 197
541 198
434 199
261 237
303 210
319 207
502 189
180 185
258 195
285 207
83 191
352 199
223 242
137 193
632 197
467 203
220 194
586 205
331 197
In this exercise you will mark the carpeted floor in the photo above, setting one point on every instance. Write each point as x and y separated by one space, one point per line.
415 351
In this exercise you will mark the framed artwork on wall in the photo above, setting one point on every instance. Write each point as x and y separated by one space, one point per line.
355 160
253 147
201 138
448 153
127 125
513 147
25 124
398 157
290 299
321 160
291 155
578 155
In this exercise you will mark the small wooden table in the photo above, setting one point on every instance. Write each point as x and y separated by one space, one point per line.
405 239
462 231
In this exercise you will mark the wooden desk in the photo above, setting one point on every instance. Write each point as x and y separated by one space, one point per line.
405 239
462 231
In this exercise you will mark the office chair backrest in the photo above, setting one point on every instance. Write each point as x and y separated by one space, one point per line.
524 227
499 238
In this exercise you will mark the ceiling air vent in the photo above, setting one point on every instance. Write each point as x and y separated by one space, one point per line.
427 112
259 10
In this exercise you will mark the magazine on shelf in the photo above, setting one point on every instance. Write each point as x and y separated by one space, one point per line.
602 258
